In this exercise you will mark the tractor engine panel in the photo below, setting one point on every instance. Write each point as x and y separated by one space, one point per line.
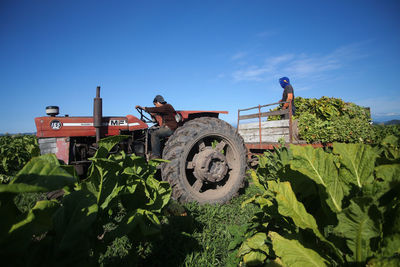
83 126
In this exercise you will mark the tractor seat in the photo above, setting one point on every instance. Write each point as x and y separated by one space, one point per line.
178 117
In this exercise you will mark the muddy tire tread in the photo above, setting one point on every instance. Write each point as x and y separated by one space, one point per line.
175 147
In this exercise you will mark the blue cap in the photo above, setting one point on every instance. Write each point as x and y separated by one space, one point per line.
284 81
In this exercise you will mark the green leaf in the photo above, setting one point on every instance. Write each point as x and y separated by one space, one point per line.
103 181
255 179
254 258
139 167
70 169
51 158
263 202
160 194
110 142
257 242
37 222
110 196
357 162
26 228
385 262
391 245
388 178
136 224
151 224
106 144
389 173
248 201
294 254
9 214
43 174
237 232
320 167
357 227
244 249
135 195
21 188
73 222
277 262
38 219
289 206
391 147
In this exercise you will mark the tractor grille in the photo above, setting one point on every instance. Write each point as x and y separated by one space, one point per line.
47 145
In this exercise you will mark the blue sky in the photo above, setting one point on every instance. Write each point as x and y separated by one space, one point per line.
200 55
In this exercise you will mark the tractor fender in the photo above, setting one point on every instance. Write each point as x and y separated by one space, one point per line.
193 114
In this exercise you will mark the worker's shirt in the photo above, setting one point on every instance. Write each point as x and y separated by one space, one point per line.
167 113
288 89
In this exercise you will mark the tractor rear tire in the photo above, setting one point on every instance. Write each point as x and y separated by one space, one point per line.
207 161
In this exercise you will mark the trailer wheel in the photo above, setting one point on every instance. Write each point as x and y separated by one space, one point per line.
207 161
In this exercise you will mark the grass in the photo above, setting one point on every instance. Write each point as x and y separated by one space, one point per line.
201 238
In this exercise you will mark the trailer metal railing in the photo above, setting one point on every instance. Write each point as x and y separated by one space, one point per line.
259 115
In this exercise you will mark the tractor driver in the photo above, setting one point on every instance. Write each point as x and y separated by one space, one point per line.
167 127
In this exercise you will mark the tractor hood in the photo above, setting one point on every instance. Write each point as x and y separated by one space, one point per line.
54 126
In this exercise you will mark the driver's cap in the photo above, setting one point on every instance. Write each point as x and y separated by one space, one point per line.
159 99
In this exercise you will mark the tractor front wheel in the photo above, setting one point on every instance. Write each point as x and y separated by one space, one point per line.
207 161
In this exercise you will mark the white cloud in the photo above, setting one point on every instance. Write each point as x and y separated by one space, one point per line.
301 65
239 55
302 88
388 114
274 61
382 106
265 34
250 74
258 73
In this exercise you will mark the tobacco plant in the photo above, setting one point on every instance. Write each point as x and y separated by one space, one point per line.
381 131
327 208
15 152
119 198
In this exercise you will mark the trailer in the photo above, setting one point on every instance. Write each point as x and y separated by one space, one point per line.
260 134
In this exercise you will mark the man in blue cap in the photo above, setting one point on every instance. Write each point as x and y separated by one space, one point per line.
167 127
287 96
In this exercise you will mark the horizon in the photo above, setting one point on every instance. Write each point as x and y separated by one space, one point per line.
233 124
200 55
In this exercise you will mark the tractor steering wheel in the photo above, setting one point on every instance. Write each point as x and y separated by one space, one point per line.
144 118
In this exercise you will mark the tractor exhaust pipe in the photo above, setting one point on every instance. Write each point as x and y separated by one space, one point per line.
97 113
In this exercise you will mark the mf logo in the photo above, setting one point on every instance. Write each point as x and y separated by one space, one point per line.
117 122
55 124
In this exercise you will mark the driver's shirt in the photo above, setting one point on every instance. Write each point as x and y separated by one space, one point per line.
167 113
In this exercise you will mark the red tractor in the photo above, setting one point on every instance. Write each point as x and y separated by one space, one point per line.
207 156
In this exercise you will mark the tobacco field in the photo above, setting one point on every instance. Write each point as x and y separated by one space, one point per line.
338 206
